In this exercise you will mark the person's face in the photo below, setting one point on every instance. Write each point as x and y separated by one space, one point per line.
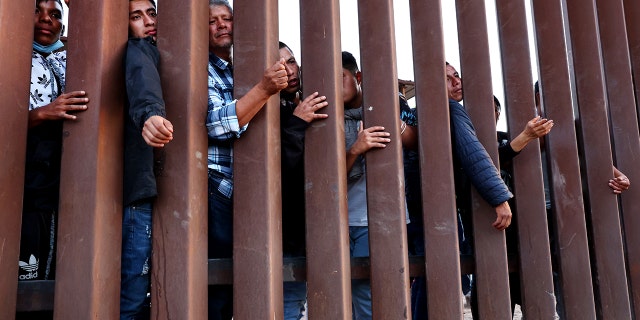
142 19
47 22
220 27
293 70
454 84
351 90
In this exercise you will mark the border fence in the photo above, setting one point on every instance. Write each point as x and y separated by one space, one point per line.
588 58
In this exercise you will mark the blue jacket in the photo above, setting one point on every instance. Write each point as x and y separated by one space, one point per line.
472 164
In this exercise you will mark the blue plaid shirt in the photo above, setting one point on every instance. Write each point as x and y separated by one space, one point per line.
222 124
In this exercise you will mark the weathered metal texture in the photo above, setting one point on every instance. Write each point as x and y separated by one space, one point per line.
562 154
491 276
632 15
328 264
179 273
533 236
612 297
257 238
442 260
17 35
385 175
624 128
90 220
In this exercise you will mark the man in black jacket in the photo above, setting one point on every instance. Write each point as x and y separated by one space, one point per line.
145 129
295 116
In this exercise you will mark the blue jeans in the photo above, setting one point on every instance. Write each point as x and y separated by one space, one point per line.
136 259
295 296
360 288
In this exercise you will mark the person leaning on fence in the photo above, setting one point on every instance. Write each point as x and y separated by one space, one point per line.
358 141
295 116
471 166
226 120
146 128
49 105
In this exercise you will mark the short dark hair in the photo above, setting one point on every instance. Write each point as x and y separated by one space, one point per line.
496 104
349 62
284 45
221 3
153 3
536 88
58 1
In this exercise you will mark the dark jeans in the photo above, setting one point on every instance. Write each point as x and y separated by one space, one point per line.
220 246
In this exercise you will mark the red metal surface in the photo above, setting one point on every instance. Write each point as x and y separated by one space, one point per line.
442 260
566 193
385 175
16 48
531 217
491 276
179 273
612 298
328 264
90 220
624 127
632 16
257 199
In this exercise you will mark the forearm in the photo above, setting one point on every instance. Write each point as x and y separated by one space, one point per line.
249 105
409 136
35 118
520 142
351 159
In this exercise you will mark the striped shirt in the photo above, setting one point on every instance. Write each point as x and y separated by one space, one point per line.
222 123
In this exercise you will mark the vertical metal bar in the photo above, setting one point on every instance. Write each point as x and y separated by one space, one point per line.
15 47
622 110
562 155
179 273
533 237
257 240
385 175
632 15
90 220
442 260
491 275
328 263
611 281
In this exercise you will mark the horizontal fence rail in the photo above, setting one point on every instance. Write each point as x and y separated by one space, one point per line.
576 257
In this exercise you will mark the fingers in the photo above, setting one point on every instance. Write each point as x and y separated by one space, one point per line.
157 131
619 184
502 222
504 215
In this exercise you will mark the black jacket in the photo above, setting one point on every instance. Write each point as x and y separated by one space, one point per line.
292 131
144 93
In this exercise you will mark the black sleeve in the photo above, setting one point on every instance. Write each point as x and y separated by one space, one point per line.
292 132
505 151
144 90
474 159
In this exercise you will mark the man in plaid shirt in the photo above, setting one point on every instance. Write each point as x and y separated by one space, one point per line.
227 119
